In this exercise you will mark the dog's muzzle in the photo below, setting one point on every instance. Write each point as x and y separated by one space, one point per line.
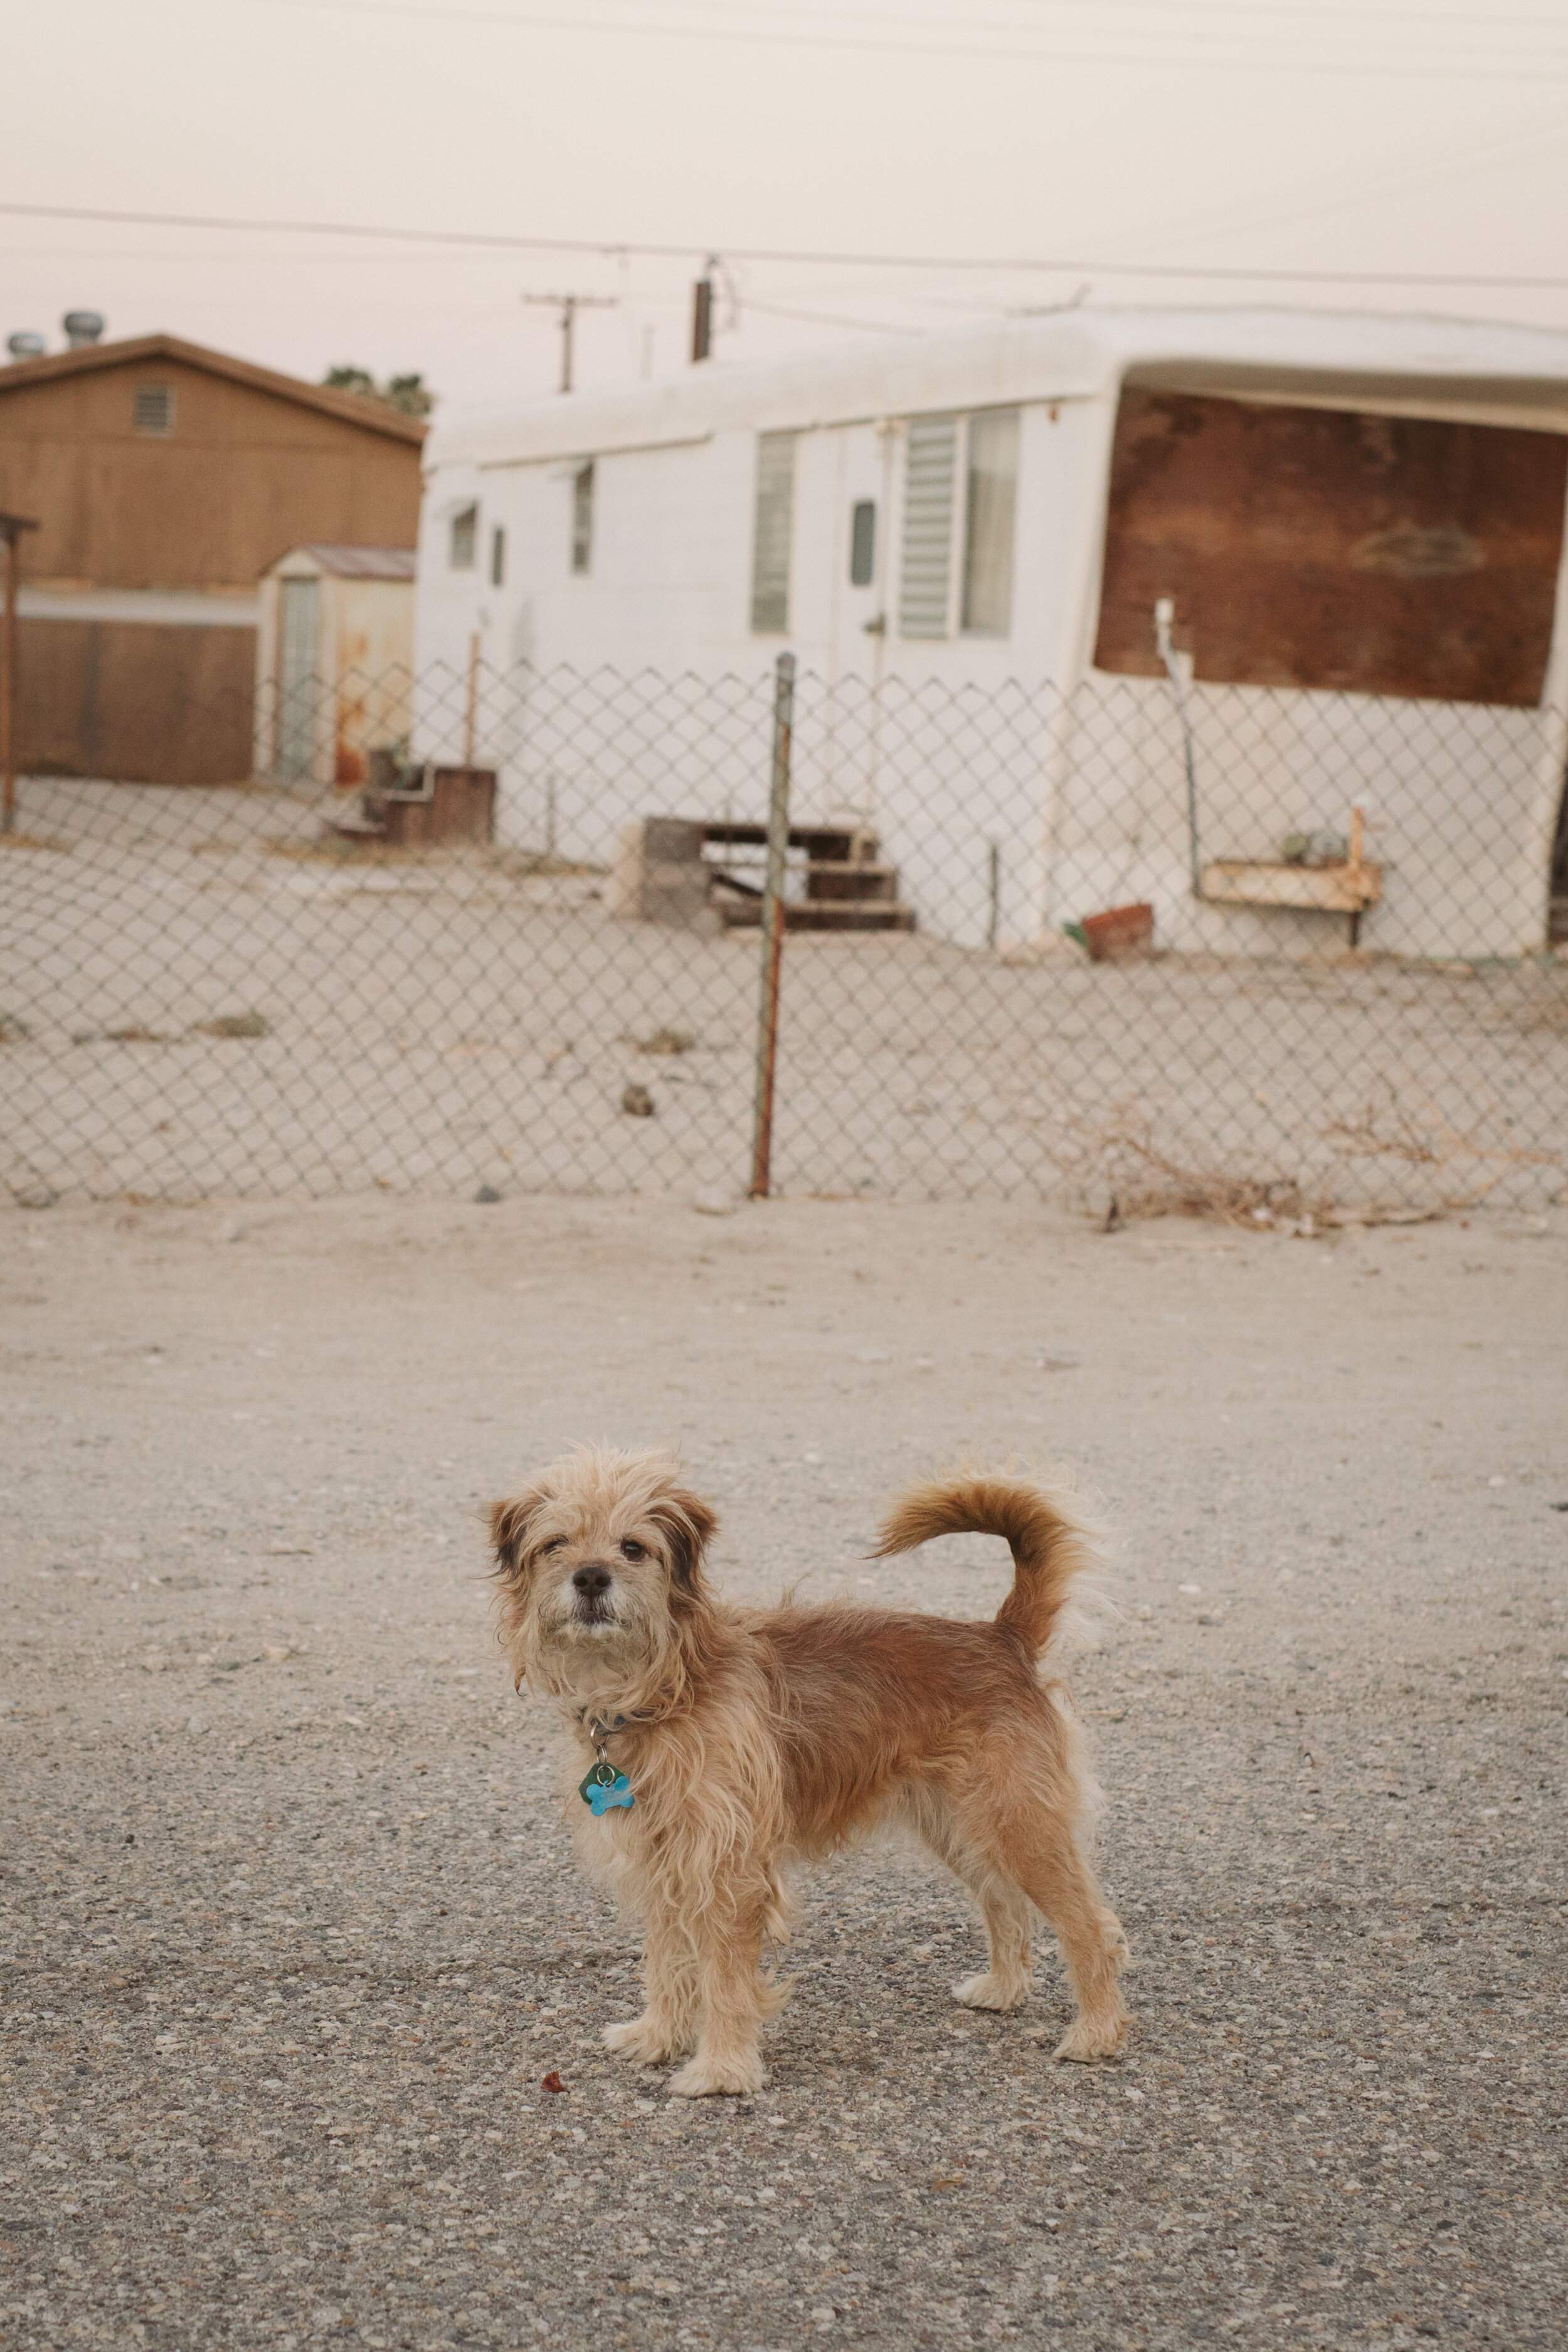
590 1586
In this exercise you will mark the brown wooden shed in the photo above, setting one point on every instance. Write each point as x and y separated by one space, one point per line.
166 479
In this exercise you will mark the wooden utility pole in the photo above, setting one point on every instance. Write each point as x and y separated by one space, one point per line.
12 526
569 305
702 309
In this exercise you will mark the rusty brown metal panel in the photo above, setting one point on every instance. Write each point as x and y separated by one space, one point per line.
1314 547
134 702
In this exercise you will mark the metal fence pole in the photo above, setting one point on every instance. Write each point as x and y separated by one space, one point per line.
773 929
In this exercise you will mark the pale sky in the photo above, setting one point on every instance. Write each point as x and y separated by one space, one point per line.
1247 135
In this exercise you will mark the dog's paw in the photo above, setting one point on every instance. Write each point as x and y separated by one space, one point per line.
642 2040
990 1991
707 2078
1088 2038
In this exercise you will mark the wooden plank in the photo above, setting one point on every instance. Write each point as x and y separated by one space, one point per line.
1311 547
1329 889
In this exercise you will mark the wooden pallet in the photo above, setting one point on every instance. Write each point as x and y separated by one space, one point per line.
685 870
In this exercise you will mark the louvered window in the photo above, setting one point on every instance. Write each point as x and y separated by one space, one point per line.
153 408
991 476
930 477
774 527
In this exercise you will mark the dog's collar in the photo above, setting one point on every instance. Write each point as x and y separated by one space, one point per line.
600 1727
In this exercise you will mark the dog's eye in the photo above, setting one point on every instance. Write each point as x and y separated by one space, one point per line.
630 1549
556 1543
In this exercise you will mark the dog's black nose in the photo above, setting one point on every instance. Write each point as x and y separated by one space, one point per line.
592 1580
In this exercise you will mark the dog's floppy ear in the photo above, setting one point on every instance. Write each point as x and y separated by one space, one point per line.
688 1526
510 1523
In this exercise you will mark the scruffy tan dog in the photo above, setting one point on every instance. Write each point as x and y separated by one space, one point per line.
724 1744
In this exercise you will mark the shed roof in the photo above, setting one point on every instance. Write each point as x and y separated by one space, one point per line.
345 562
1421 364
351 407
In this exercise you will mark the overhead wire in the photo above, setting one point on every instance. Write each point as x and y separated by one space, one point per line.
1350 191
610 249
826 318
1404 69
1417 18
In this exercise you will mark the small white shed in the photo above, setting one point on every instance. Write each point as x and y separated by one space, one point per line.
1357 522
335 657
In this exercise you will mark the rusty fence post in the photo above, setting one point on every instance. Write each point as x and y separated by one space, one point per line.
773 929
12 526
471 702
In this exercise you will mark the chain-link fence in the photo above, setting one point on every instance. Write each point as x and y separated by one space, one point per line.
1249 951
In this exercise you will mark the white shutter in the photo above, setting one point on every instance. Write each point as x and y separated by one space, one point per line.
929 473
774 529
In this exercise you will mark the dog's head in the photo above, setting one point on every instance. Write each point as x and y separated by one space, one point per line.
600 1566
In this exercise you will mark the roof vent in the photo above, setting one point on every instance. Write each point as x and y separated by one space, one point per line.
26 345
82 327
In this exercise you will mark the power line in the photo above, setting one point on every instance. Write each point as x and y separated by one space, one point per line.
827 318
1403 70
1296 204
1416 19
611 248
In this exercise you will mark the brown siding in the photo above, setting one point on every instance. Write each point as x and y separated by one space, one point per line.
134 702
244 476
1312 547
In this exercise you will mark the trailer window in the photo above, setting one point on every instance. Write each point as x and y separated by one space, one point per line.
989 489
862 542
1312 547
774 530
497 557
463 538
583 518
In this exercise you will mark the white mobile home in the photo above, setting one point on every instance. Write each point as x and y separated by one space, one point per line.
1353 525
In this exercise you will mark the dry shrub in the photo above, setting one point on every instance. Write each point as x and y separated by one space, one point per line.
1475 1160
664 1041
234 1025
1146 1182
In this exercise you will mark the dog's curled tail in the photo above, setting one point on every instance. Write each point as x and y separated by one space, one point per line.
1050 1547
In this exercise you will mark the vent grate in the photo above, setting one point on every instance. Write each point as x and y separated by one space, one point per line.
153 408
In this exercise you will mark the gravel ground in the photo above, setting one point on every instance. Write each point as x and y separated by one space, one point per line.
290 1936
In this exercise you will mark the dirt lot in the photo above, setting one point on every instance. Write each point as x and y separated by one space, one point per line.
289 1935
196 1000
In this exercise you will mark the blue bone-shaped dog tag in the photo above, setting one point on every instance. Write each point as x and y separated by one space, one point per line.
603 1796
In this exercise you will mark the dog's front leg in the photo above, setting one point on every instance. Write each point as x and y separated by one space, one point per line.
668 2026
734 2002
